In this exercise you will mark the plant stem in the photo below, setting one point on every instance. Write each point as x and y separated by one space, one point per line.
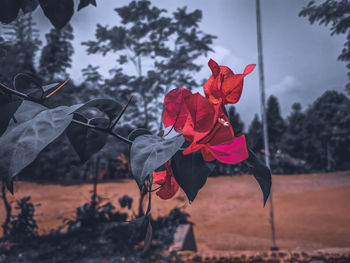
103 130
14 92
121 113
57 89
5 226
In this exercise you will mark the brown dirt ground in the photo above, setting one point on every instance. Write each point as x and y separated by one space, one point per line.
311 211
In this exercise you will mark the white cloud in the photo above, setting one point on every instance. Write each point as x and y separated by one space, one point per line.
288 84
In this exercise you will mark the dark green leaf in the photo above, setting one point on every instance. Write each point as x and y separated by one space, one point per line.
191 172
110 107
29 5
21 145
28 84
85 3
261 173
58 12
148 152
86 141
9 10
6 113
138 132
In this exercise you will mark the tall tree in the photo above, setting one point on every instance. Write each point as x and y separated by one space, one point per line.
255 137
327 127
275 124
19 44
162 49
235 120
56 54
336 13
294 137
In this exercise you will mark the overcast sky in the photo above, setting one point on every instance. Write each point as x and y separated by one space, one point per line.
300 59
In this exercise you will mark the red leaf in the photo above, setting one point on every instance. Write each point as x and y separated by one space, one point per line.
215 69
225 85
234 152
201 117
166 179
175 112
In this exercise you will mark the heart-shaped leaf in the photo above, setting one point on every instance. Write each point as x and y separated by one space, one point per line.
86 141
58 12
6 113
110 107
148 152
191 172
21 145
261 173
9 10
85 3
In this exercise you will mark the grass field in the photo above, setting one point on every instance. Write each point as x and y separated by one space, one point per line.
311 211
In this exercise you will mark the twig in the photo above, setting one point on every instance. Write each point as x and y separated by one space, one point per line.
5 226
20 94
122 112
103 130
172 127
15 92
57 89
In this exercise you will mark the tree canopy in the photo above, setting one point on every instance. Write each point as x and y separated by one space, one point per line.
336 13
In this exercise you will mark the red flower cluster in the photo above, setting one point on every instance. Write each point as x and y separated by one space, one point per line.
203 121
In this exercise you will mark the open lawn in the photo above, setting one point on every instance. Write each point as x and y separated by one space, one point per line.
311 211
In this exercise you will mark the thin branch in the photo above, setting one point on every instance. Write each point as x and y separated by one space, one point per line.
153 190
15 92
121 113
57 89
5 226
172 127
103 130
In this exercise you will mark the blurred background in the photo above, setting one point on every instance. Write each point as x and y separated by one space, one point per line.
146 48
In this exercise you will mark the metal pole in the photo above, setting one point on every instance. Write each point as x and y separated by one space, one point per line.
263 111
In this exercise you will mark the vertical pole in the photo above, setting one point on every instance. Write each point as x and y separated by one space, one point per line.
263 112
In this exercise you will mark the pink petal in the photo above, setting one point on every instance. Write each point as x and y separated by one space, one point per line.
234 152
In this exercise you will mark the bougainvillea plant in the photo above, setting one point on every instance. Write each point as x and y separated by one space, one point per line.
203 133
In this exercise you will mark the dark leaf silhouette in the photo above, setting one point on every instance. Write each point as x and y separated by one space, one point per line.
86 141
191 172
58 12
261 173
148 152
28 84
6 113
21 145
9 10
85 3
29 5
110 107
138 132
